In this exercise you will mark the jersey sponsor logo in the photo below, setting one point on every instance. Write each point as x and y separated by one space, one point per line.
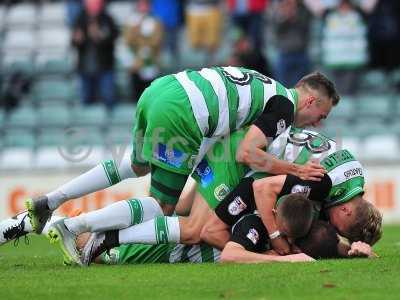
353 173
236 206
302 189
280 126
204 171
172 157
221 191
253 236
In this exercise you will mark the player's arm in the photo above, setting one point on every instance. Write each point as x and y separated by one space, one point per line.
266 193
277 115
250 152
234 252
268 190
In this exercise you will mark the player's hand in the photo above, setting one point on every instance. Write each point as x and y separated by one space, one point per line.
360 249
300 257
312 170
280 245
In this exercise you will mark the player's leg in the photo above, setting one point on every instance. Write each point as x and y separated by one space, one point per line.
104 175
165 229
115 216
191 226
185 203
118 215
166 187
160 230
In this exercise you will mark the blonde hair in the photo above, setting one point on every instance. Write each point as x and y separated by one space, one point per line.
367 225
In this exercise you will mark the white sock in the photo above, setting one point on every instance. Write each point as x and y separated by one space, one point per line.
160 230
100 177
118 215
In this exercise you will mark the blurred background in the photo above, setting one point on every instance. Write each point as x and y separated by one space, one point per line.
72 71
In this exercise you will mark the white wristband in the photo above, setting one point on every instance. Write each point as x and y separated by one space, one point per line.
275 235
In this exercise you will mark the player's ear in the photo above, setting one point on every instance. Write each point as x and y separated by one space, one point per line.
274 211
310 100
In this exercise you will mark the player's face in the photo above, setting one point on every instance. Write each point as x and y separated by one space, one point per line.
313 113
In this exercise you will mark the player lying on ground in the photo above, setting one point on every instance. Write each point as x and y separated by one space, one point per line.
224 173
101 241
180 116
320 242
248 244
248 238
292 223
339 195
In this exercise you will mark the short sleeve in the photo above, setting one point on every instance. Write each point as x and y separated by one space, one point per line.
314 190
278 115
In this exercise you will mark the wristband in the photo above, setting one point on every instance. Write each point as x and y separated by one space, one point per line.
275 235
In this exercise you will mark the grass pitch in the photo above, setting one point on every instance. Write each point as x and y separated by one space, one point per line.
36 272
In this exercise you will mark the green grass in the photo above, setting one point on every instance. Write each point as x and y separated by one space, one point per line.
36 272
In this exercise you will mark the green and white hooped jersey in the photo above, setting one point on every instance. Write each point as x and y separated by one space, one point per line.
300 145
224 99
347 176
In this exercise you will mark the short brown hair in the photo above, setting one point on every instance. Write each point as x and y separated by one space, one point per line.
320 242
319 82
297 213
367 225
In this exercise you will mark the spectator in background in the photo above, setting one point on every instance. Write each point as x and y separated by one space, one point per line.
248 16
204 24
94 36
169 12
384 33
291 24
143 34
244 54
344 45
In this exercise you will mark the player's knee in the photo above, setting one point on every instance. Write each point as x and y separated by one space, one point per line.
140 170
167 209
